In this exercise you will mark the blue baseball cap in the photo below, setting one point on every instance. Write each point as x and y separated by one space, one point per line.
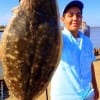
74 3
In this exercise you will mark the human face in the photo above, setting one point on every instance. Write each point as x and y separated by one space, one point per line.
72 20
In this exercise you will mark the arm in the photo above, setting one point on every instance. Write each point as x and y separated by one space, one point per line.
94 83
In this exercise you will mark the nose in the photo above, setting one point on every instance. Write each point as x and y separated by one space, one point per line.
75 16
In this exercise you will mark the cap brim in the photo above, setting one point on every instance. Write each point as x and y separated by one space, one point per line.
74 3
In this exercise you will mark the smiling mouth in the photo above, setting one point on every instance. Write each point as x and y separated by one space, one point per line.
75 24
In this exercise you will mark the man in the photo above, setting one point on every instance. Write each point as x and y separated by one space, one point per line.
85 29
73 79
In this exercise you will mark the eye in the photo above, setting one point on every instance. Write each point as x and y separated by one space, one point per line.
79 15
70 14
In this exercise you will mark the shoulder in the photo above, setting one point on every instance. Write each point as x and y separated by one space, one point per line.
87 42
86 39
65 36
88 48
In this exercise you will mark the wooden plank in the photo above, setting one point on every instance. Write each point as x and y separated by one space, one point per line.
97 72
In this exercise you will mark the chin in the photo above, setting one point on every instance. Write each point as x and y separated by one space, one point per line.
75 28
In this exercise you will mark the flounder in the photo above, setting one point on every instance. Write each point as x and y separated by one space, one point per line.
31 46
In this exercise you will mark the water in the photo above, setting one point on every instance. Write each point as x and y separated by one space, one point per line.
0 34
94 36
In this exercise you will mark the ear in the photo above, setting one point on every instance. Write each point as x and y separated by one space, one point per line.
62 19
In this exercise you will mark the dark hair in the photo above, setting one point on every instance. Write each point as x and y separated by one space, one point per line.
74 3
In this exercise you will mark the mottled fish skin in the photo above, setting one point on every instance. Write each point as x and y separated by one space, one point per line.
31 46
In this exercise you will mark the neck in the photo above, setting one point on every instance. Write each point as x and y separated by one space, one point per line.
75 34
